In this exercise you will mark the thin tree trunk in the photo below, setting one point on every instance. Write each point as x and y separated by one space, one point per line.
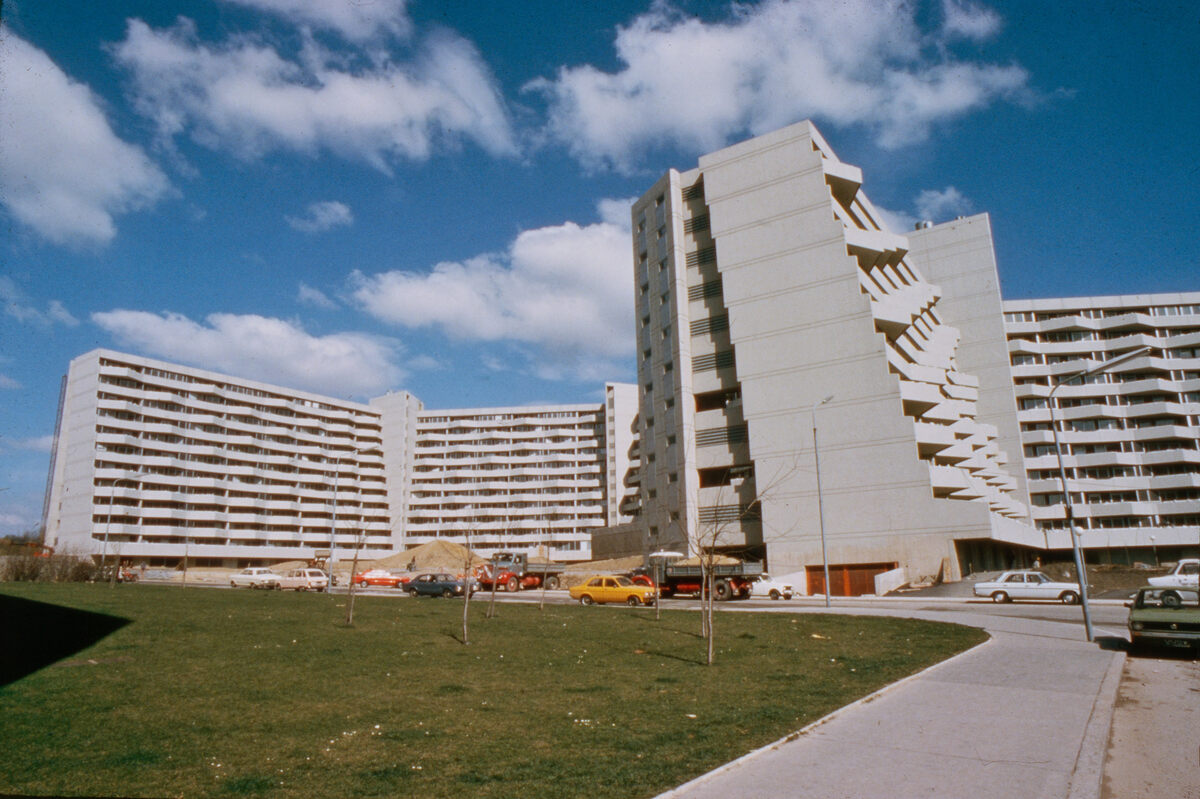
350 601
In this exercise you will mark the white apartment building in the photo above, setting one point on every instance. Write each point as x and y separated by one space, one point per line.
155 462
530 479
780 323
1130 436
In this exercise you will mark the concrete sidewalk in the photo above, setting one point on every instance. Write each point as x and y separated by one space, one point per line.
1026 714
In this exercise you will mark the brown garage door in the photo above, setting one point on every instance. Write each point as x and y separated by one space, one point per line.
848 579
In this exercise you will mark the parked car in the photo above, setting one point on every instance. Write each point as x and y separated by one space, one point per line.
1185 574
378 577
769 588
438 584
254 577
304 580
1167 616
612 588
1027 584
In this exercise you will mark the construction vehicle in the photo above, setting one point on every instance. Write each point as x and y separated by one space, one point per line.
732 578
513 571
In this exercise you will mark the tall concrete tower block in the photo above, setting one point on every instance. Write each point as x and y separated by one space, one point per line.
775 313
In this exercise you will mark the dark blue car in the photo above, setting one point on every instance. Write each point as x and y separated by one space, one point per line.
437 584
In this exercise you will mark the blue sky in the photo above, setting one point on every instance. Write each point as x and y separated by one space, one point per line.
354 197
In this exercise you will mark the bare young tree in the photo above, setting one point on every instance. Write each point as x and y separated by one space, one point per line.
721 528
466 589
358 543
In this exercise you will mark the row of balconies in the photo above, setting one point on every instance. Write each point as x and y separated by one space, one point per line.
584 424
231 517
1163 482
515 500
1086 460
1160 342
199 535
187 388
503 521
1106 509
314 490
582 449
185 423
1130 434
1142 363
1133 320
215 413
1164 385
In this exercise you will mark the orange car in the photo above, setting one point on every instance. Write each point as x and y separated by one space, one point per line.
379 577
612 588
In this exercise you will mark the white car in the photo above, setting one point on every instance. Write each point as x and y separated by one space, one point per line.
767 588
254 577
1027 584
304 580
1186 574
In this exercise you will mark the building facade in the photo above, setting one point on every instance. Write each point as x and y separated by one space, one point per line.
531 479
799 389
155 462
1130 436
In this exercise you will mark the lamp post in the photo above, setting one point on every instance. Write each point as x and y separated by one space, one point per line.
108 521
820 502
1076 551
337 463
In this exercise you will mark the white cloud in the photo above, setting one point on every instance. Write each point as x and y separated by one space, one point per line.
941 205
38 444
16 305
243 96
263 348
696 84
322 216
355 19
310 296
63 171
969 19
896 221
931 204
423 363
7 382
563 294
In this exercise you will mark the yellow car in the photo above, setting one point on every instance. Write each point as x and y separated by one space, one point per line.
612 588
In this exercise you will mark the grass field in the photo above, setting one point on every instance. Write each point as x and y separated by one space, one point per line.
146 690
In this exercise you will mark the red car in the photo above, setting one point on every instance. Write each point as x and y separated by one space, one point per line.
380 577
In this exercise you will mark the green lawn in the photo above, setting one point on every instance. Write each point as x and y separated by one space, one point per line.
202 692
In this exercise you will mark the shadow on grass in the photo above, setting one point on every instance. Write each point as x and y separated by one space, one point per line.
34 635
649 619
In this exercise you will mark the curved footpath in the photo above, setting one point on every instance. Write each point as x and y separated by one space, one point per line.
1026 714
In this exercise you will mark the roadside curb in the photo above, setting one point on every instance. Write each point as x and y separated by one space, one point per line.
1088 775
681 791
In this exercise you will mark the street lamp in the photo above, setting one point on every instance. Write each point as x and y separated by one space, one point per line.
820 502
1062 475
337 462
108 521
